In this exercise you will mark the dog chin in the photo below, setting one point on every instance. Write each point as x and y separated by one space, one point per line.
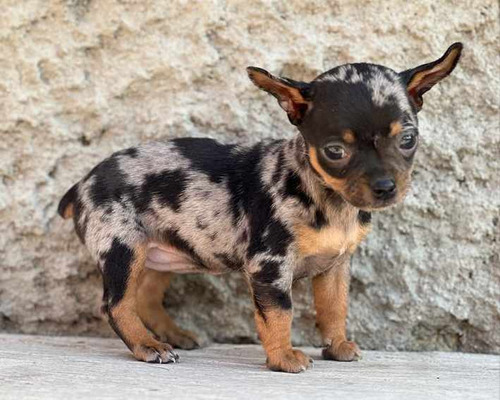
377 205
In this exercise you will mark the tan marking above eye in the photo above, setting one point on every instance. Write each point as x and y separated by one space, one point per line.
396 128
348 136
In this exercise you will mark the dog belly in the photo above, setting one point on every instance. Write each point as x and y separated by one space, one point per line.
168 259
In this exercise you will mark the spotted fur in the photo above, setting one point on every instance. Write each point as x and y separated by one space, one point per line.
277 211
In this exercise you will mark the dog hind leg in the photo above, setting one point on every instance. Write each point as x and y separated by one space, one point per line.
121 267
150 295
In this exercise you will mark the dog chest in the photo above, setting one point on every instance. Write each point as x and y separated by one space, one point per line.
334 240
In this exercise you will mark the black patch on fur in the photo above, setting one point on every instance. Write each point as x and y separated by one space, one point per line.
167 187
269 272
172 236
293 188
109 183
249 196
364 217
319 219
277 238
267 297
208 156
245 184
117 262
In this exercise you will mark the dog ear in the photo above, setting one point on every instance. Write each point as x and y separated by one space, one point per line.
293 97
422 78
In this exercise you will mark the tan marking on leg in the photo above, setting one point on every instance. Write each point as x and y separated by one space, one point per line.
396 128
274 331
331 292
275 334
150 295
348 136
128 325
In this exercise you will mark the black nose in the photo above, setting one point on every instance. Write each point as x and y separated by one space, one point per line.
384 189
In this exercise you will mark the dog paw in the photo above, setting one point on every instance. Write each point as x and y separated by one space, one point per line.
288 361
159 353
183 339
343 351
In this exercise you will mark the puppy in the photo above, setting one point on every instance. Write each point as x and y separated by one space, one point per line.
276 211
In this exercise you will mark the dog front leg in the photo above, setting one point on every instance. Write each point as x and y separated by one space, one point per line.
331 294
273 317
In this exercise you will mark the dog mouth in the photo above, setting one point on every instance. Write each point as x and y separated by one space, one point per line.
378 205
367 201
373 205
360 194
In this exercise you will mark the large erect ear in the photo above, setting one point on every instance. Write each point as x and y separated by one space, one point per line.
293 97
420 79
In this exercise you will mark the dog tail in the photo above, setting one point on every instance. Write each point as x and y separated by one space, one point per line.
66 205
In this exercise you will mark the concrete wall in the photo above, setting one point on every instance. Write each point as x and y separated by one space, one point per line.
80 79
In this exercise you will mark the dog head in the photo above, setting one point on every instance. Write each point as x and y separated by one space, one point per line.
360 124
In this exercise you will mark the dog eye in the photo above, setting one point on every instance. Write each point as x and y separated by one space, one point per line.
408 141
335 152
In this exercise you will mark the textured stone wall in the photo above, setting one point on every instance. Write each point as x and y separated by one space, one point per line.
80 79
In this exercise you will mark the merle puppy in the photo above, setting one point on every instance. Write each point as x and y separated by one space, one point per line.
276 211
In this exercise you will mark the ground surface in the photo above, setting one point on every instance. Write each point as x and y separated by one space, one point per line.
38 367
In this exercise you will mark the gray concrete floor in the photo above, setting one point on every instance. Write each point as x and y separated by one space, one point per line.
39 367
